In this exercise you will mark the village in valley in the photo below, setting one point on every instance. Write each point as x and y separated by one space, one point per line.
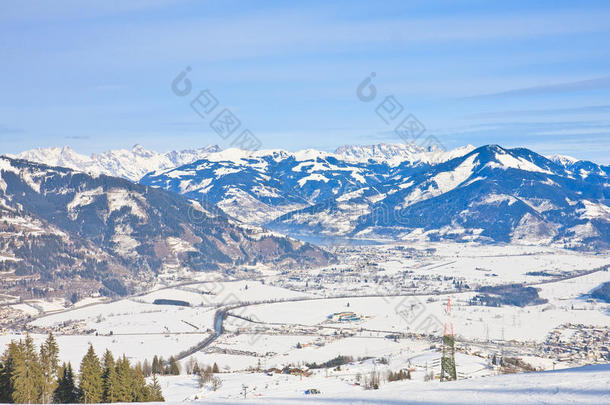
376 317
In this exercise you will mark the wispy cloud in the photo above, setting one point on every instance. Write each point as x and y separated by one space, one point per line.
580 85
542 112
291 71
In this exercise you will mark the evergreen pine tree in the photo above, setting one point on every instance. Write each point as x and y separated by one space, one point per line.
196 369
49 362
90 381
155 390
146 368
27 376
66 392
110 379
162 368
3 387
174 368
140 391
7 368
156 369
124 376
215 369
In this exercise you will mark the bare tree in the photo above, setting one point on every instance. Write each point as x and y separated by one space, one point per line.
216 383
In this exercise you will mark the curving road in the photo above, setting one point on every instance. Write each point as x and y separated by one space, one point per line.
222 313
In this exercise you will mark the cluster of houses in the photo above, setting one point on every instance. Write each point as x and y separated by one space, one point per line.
577 343
361 273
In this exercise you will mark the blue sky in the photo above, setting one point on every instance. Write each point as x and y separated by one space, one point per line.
97 75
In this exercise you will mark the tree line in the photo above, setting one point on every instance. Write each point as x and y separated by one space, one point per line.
28 376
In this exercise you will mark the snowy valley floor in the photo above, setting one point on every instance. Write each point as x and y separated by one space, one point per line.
583 385
287 319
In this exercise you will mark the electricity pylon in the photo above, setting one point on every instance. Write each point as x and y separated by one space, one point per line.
448 372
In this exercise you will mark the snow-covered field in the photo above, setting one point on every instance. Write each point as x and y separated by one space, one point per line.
131 317
346 380
565 305
283 318
490 264
584 385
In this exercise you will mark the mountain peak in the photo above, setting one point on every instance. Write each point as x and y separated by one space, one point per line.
564 160
72 209
130 164
400 152
381 151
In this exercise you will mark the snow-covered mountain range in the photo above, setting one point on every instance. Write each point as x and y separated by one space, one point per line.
398 153
128 164
68 229
402 192
256 187
488 194
134 163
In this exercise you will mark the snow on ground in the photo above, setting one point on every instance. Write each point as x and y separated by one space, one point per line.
138 315
496 264
57 304
572 289
90 301
43 306
244 291
584 385
332 380
178 388
422 313
26 308
470 263
142 329
127 316
263 344
193 298
357 347
227 362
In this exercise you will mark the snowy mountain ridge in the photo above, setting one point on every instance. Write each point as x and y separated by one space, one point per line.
397 153
58 225
136 162
258 186
400 192
129 164
488 194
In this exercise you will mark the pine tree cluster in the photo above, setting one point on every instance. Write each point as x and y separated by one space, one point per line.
28 376
160 366
399 375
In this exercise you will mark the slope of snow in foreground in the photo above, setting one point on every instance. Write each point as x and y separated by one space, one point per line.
583 385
